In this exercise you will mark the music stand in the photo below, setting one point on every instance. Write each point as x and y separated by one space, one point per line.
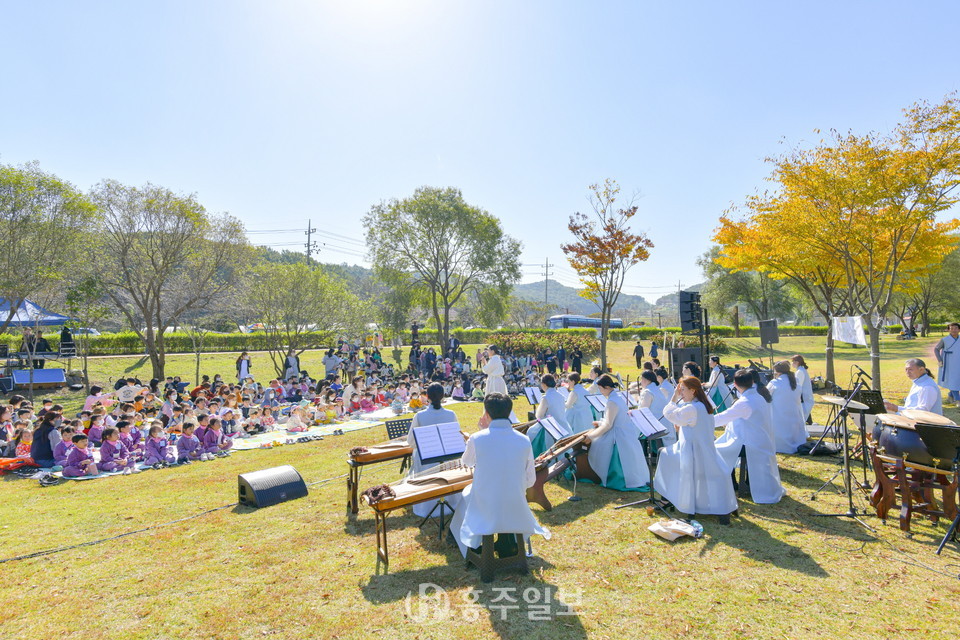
845 470
942 442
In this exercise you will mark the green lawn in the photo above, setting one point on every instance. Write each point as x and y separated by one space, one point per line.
303 569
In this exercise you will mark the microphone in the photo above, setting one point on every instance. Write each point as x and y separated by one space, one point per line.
862 372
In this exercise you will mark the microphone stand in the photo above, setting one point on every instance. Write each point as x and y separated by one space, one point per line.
845 470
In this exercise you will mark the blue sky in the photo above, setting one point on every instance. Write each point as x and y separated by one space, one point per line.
284 111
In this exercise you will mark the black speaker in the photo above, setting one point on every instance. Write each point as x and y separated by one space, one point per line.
690 311
679 356
769 333
270 486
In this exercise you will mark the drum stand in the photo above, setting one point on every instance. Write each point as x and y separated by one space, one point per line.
846 471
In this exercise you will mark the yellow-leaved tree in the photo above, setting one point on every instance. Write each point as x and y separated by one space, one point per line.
856 220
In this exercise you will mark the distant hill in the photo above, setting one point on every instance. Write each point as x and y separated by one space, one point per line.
629 308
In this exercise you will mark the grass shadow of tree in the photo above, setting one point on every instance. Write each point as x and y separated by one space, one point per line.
759 544
518 605
138 364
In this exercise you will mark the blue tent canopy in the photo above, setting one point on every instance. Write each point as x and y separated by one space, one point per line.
31 315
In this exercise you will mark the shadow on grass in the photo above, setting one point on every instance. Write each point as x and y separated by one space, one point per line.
517 605
757 543
136 365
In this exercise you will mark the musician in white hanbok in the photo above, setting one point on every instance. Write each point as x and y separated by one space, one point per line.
496 501
749 428
805 384
652 398
615 453
691 474
947 351
551 405
579 414
494 370
666 385
924 392
789 431
716 387
431 415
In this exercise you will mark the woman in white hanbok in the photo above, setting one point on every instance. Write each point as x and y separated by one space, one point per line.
691 474
805 384
551 405
789 430
434 414
652 398
494 370
579 413
615 453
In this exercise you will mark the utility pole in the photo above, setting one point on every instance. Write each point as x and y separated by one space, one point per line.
311 246
546 280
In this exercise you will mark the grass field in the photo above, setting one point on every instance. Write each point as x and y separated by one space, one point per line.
303 569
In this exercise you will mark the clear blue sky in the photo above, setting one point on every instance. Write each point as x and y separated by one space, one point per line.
280 111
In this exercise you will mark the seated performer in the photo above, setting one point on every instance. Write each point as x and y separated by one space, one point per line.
789 431
431 415
691 474
616 454
924 393
749 428
716 387
651 397
579 414
551 405
496 501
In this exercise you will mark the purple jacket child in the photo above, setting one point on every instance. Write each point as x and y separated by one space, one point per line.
77 463
212 440
110 452
61 451
188 448
157 452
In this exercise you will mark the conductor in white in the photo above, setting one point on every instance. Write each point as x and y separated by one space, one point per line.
496 502
494 370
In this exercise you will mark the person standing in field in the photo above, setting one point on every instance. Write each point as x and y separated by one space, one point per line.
947 351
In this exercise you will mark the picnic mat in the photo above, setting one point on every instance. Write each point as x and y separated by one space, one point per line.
281 435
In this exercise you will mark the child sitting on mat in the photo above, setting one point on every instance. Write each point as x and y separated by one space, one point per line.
63 448
158 453
189 448
114 455
215 443
80 461
297 421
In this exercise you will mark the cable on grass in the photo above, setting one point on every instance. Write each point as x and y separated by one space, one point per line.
90 543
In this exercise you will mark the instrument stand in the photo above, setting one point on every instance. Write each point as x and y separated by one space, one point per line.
442 503
573 472
952 530
847 474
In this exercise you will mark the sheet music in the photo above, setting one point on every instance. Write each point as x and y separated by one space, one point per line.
554 428
429 444
628 399
451 438
563 391
534 395
597 401
645 421
439 441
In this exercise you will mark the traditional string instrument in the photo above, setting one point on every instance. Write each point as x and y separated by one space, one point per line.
564 453
437 482
359 457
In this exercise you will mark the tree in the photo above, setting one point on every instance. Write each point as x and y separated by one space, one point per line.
396 303
867 207
604 251
41 220
297 303
527 314
766 297
86 303
444 247
930 294
163 254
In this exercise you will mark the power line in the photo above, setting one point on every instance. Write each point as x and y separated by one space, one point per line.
311 246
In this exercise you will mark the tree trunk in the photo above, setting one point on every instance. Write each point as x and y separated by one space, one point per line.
829 373
604 328
875 355
736 321
926 323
